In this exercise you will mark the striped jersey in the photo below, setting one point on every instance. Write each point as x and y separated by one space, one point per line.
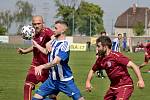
115 45
62 71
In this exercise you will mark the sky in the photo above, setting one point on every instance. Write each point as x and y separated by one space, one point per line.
112 9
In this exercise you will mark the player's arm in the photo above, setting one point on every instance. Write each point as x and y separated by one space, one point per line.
88 80
48 46
43 50
146 53
25 51
136 69
38 69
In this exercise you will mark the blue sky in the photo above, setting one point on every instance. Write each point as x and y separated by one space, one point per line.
112 9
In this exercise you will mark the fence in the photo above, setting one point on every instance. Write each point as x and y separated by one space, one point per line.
17 40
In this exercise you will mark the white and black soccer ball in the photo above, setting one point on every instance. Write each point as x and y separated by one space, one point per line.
27 32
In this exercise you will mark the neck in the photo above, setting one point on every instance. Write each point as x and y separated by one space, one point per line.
108 51
61 37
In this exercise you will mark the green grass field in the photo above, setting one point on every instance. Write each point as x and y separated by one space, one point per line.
13 68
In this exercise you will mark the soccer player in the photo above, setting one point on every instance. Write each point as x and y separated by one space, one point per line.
100 72
147 55
115 65
116 43
42 36
60 77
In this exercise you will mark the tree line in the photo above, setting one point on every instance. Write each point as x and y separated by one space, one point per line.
22 14
84 18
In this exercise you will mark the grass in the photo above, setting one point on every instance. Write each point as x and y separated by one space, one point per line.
13 68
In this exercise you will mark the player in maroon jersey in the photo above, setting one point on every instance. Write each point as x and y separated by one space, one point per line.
42 36
147 55
115 65
100 72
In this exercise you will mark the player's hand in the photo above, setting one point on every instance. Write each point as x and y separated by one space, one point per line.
20 50
48 47
34 43
141 84
38 70
146 53
88 87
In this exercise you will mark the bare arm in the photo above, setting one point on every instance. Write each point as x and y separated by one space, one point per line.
43 50
25 51
88 80
136 69
39 69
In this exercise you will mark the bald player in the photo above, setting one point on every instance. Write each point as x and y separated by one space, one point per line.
42 36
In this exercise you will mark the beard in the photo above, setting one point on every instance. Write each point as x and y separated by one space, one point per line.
101 53
57 35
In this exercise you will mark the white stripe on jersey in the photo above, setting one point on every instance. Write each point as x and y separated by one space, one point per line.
56 47
53 74
115 45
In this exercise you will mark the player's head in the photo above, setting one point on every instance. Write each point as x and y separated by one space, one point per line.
37 22
119 36
103 44
60 28
103 33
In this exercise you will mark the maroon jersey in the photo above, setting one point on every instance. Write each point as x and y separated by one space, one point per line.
115 65
41 38
147 48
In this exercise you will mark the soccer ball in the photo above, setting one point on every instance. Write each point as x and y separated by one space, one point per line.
27 32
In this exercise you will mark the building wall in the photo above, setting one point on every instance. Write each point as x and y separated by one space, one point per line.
129 31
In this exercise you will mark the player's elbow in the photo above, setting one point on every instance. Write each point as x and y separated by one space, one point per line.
131 64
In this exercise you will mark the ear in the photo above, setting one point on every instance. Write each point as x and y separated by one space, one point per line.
105 47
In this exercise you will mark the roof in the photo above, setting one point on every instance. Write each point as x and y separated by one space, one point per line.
132 16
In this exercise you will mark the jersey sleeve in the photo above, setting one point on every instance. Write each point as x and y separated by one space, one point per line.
64 51
97 66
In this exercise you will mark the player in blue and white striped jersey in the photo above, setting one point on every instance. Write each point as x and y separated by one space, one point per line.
116 43
60 76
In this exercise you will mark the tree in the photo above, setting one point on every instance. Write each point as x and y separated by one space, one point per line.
66 11
2 30
23 13
68 3
83 17
6 18
139 29
91 17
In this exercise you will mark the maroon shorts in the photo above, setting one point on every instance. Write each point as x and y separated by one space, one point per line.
120 93
147 57
35 79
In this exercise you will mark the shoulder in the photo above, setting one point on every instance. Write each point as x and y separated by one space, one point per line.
64 45
115 39
116 54
47 31
148 44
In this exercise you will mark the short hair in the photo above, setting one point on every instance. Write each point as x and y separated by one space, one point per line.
38 16
105 41
119 34
103 32
62 22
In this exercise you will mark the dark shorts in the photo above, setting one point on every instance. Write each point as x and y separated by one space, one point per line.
147 57
121 93
35 79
